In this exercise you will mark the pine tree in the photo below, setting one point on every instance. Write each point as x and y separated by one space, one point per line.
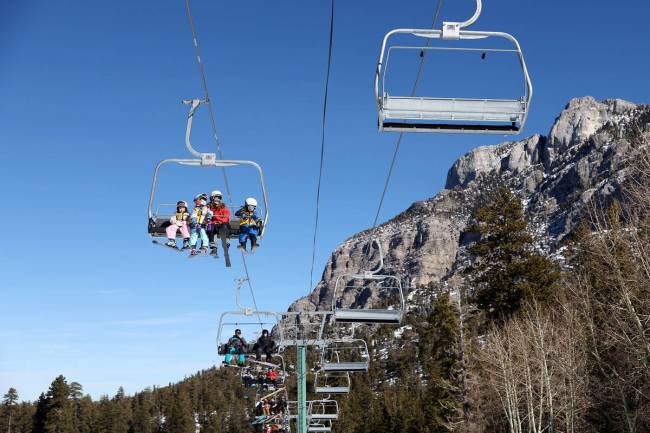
181 417
441 361
85 415
143 419
506 271
58 414
9 401
40 414
120 412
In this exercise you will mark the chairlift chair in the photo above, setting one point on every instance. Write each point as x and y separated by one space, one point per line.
348 355
326 409
323 426
409 113
375 282
242 319
159 221
333 382
388 284
302 328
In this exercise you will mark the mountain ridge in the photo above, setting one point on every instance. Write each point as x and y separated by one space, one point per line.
555 175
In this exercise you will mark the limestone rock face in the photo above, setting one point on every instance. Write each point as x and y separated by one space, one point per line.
582 157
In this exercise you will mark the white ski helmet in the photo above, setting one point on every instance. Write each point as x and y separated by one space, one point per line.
216 193
201 198
250 201
181 203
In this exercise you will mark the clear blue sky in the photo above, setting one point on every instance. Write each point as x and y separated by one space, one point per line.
90 102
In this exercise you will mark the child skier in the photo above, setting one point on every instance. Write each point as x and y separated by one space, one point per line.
179 221
199 219
248 224
220 223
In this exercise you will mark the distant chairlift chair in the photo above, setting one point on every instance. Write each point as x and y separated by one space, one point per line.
326 409
388 285
346 355
332 382
450 115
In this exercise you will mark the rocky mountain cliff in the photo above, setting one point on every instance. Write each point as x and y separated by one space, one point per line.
583 156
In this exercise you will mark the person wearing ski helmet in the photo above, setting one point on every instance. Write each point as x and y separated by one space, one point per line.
220 222
179 221
248 224
199 219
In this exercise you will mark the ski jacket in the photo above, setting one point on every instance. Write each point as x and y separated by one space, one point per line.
246 217
219 215
201 215
272 375
265 343
236 341
180 217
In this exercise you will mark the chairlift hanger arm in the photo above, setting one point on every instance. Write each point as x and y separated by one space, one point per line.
194 104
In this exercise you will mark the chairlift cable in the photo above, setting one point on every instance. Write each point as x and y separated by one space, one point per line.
204 84
322 145
215 135
398 143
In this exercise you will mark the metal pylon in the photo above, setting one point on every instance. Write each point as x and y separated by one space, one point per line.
302 389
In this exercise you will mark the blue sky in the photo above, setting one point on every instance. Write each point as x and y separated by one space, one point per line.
91 101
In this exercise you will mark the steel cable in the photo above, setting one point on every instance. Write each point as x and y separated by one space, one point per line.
215 136
322 145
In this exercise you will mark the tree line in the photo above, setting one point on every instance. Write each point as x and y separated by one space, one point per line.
209 401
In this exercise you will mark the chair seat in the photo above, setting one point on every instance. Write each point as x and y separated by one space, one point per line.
158 227
319 429
332 389
345 366
346 315
401 113
319 416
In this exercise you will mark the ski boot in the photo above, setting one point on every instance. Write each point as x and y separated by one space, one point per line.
254 246
203 250
171 244
186 244
194 252
242 247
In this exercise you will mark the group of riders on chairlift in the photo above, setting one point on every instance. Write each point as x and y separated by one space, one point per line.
209 219
237 348
269 410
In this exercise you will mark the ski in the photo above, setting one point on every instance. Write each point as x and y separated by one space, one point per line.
162 244
226 249
267 364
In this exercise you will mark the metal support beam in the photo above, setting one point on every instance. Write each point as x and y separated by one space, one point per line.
302 389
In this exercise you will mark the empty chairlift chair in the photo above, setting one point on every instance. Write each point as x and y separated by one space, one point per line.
410 113
349 355
388 286
326 409
324 426
302 328
158 221
332 383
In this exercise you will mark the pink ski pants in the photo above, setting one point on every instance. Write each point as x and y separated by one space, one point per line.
171 231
